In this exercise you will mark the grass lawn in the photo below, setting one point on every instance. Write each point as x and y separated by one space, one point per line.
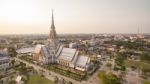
108 78
147 82
137 64
36 79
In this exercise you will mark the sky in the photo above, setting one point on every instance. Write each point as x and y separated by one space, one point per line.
74 16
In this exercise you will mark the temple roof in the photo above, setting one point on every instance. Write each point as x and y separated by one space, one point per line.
38 48
67 54
25 50
82 60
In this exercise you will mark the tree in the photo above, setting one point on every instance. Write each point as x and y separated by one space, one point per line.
133 68
112 79
1 76
12 52
146 82
109 65
13 62
123 68
69 82
22 64
109 78
12 82
145 57
120 58
120 61
56 79
63 81
146 72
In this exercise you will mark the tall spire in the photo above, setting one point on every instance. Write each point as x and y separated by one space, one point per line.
52 35
52 25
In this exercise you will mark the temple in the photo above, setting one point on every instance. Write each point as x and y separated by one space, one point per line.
55 52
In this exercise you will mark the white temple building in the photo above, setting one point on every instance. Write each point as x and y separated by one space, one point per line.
55 52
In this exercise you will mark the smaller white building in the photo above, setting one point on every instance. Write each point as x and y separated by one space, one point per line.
28 51
38 53
111 49
70 57
4 60
18 79
73 45
82 63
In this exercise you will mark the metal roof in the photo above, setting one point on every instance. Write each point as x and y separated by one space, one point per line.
82 60
45 50
38 48
67 54
25 50
3 56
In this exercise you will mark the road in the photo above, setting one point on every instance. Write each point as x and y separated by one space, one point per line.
52 74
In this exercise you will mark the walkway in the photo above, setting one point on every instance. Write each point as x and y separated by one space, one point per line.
52 74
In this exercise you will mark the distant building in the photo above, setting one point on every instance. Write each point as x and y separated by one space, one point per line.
71 58
73 45
4 60
111 49
93 42
82 63
54 52
118 37
4 41
18 80
25 51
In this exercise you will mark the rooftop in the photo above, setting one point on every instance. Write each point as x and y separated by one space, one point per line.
38 48
67 54
3 56
46 52
25 50
82 60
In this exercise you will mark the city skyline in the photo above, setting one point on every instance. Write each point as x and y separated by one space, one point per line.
75 16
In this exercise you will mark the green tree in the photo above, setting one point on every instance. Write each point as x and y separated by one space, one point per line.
145 57
108 78
12 52
109 65
69 82
120 58
56 79
13 62
12 82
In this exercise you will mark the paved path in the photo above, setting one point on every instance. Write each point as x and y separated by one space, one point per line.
52 74
93 79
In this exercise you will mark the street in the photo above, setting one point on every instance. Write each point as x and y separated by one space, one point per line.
52 75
